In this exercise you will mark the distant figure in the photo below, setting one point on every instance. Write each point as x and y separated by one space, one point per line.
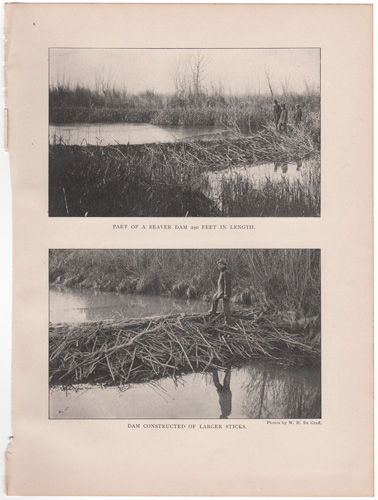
297 115
224 393
282 125
276 113
223 291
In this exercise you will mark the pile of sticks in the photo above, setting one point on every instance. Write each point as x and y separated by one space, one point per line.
268 146
137 350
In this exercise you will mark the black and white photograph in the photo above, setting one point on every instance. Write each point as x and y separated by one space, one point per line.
176 334
192 132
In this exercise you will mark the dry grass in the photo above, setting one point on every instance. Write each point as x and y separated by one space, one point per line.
170 180
245 112
282 280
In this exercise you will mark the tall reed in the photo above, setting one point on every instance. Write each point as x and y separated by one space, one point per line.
171 180
282 279
244 112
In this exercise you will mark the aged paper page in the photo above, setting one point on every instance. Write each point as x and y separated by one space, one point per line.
167 158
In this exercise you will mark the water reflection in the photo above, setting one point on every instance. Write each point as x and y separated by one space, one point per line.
224 393
70 305
97 134
256 173
254 391
285 166
272 392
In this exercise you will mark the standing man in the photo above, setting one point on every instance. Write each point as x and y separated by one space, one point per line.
297 115
276 113
223 291
283 119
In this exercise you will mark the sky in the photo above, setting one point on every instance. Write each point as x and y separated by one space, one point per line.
237 70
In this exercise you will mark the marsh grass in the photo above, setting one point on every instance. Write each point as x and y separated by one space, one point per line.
171 180
280 320
242 197
281 280
247 113
123 181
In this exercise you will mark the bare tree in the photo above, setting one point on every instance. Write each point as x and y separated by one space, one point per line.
198 63
189 73
269 80
179 75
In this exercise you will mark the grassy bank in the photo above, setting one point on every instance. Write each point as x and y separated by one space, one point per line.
245 112
172 180
287 281
140 350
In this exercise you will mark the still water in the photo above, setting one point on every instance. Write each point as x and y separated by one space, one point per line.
102 134
256 173
75 305
257 389
140 133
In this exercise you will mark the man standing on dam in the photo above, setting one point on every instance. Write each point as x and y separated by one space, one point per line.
297 117
282 125
223 292
276 113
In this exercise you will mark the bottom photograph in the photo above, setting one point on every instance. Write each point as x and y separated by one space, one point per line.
181 334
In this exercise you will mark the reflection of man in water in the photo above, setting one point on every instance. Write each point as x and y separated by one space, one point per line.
223 291
224 392
283 165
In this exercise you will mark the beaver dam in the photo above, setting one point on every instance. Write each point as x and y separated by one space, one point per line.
174 179
139 350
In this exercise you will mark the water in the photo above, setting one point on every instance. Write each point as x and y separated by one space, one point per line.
257 389
257 174
71 305
135 133
129 133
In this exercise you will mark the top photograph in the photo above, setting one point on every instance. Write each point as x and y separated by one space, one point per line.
184 132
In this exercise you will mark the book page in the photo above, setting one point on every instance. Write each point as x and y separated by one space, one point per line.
193 249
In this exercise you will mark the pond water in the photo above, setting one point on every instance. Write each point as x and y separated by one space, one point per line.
256 173
76 305
137 133
102 134
258 389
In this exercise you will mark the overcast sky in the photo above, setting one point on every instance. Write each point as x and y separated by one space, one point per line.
237 70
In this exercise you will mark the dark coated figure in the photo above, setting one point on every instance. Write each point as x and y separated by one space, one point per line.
297 117
223 291
224 393
276 113
282 124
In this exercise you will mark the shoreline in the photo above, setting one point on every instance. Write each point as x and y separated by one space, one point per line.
173 179
191 274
